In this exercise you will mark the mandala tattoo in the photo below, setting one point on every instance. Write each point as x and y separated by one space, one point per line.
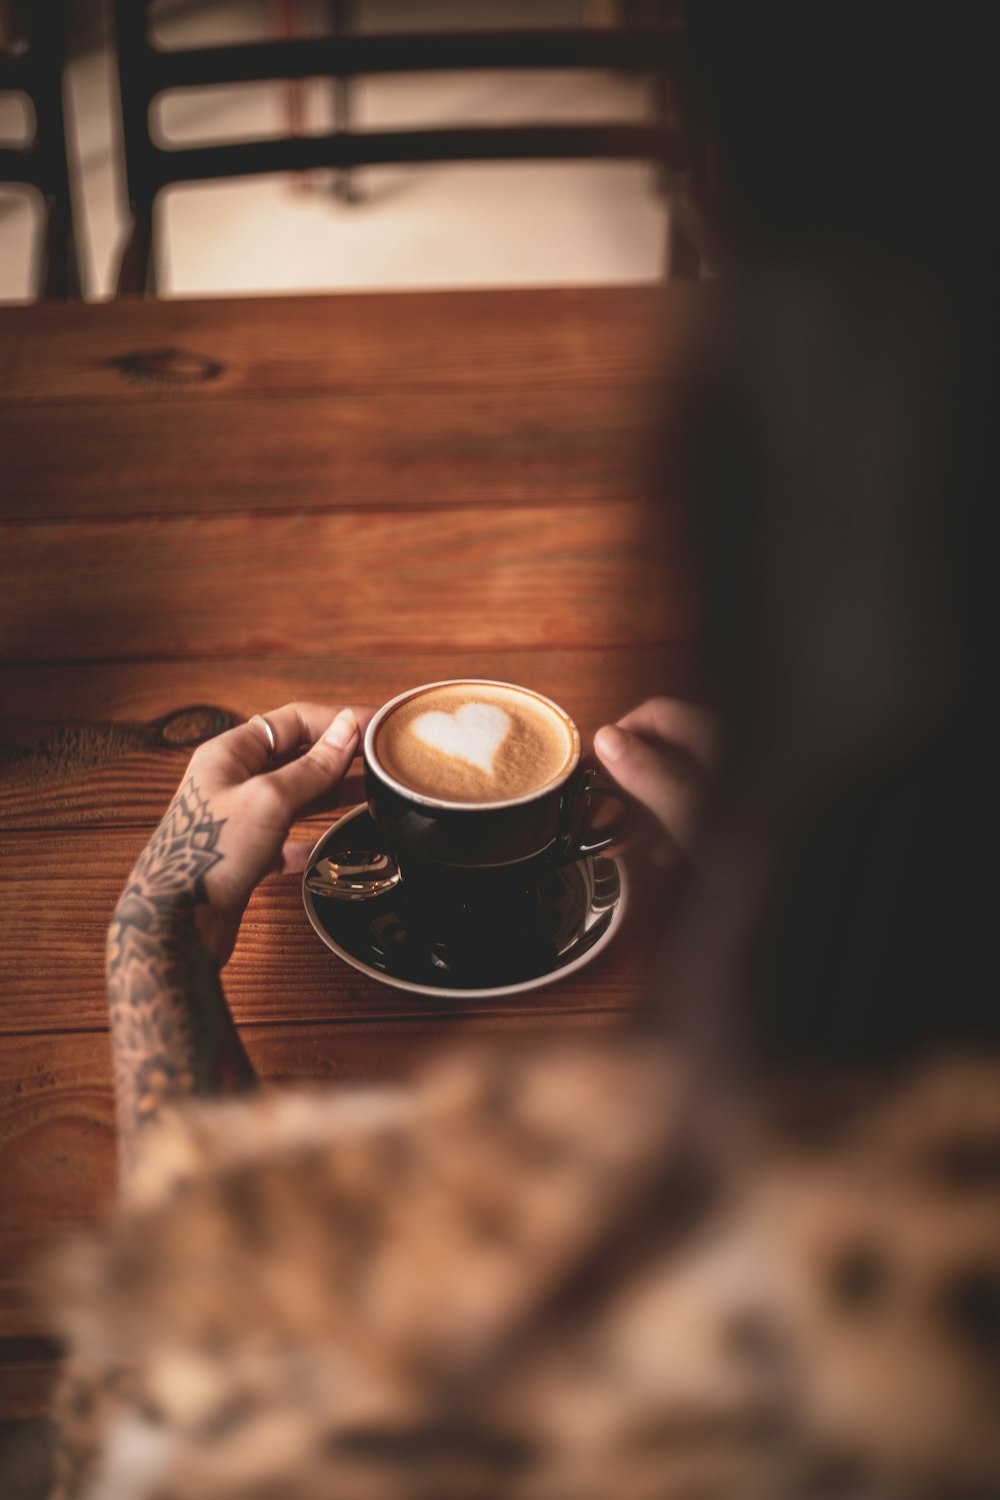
172 1033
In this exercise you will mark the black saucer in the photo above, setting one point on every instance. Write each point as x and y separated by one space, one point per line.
579 908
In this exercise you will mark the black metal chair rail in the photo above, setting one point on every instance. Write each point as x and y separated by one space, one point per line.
32 64
146 71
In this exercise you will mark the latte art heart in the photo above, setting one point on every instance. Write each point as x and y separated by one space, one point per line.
483 743
473 733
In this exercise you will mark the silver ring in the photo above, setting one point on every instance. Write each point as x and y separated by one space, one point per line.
272 743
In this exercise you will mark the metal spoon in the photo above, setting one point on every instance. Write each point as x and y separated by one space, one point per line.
353 875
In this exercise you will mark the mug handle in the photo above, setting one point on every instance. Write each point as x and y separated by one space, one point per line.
595 783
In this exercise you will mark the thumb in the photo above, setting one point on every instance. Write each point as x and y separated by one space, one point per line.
295 855
649 776
318 771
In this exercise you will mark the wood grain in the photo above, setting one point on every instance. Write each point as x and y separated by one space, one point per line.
103 744
314 451
589 680
206 587
27 1379
451 341
208 508
58 890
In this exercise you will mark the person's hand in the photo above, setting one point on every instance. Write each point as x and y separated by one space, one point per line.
228 825
660 753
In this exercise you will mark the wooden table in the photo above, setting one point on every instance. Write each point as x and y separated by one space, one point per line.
210 507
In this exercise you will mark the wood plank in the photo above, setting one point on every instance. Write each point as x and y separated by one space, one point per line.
362 342
105 744
314 452
201 587
27 1381
57 1140
465 471
58 891
590 680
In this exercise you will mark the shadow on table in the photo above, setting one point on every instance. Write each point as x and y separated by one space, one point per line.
26 1459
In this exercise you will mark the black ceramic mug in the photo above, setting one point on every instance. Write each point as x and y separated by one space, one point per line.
479 792
534 809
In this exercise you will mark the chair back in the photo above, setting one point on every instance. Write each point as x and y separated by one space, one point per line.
31 63
147 71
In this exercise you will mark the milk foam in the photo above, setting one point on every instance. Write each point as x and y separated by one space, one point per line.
473 733
475 742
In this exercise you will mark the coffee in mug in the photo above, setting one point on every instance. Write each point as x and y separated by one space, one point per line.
481 806
474 775
474 743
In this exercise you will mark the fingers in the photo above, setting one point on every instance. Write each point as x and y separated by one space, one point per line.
295 855
246 750
315 773
650 776
656 753
692 728
242 757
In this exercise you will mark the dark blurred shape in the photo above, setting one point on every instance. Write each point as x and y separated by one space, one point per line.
27 1465
857 123
844 477
971 1308
860 1280
655 47
31 62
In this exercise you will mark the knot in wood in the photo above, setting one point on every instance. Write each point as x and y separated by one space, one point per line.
166 367
192 726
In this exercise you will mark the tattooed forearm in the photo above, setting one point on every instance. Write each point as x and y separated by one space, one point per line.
172 1032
